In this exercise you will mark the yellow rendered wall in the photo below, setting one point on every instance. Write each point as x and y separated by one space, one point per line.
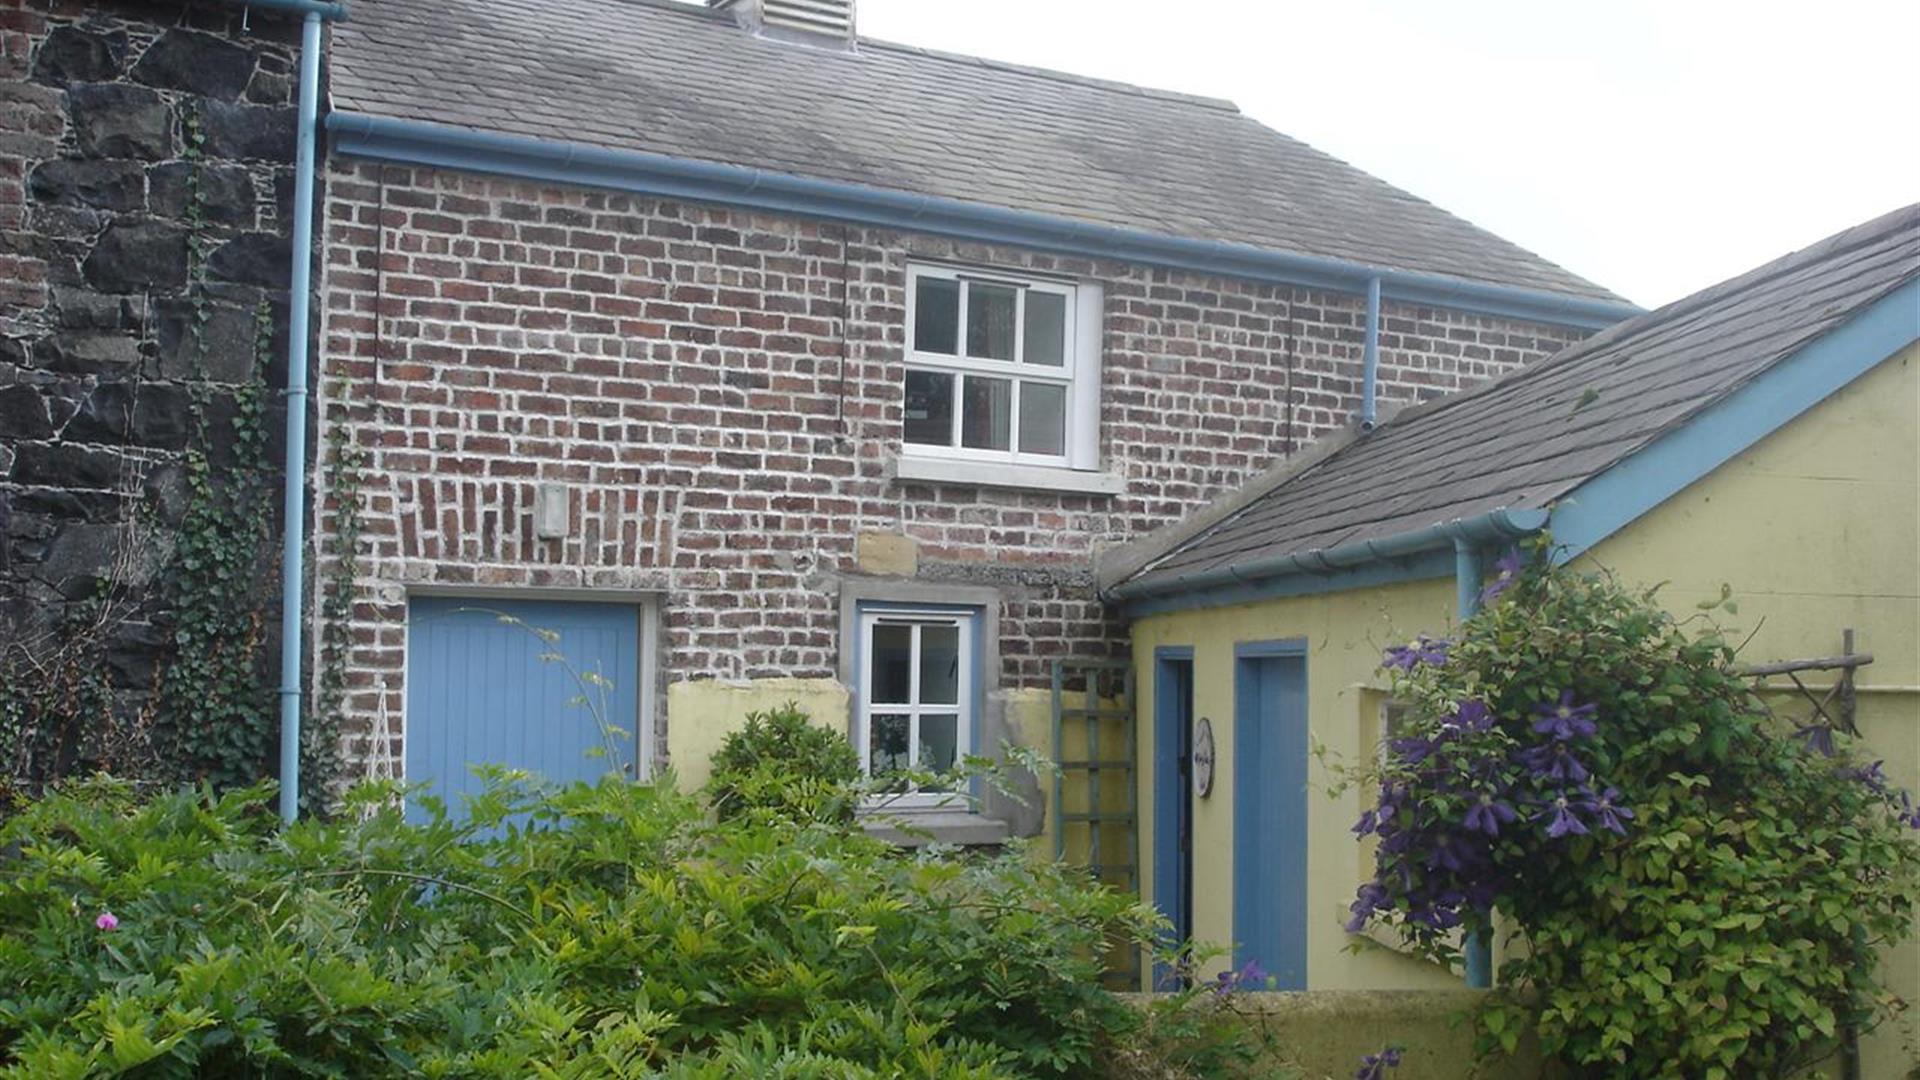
1814 529
702 713
1345 633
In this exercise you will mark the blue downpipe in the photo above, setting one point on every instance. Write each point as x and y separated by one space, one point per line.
1370 362
292 560
1466 587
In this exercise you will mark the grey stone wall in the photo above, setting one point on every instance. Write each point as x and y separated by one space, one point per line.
111 116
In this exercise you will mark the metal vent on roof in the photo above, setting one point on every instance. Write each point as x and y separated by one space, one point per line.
827 18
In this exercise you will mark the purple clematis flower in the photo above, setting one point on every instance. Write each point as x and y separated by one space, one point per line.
1446 855
1554 761
1487 815
1375 1066
1565 720
1411 750
1816 737
1607 812
1421 650
1471 715
1371 898
1506 571
1565 821
1368 824
1870 775
1907 812
1249 975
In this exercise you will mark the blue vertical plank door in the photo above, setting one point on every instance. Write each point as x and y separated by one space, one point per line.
482 690
1270 811
1173 796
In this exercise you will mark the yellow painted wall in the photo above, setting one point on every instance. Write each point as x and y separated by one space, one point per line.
1345 634
702 713
1815 529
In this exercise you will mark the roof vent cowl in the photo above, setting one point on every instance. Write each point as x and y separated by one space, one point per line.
811 21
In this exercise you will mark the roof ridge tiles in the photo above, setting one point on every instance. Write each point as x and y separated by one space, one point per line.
1205 101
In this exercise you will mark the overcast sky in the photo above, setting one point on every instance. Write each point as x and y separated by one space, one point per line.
1653 146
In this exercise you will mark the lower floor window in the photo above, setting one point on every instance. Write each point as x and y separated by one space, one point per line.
916 698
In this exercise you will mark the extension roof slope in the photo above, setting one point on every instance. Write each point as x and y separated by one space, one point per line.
1531 437
679 80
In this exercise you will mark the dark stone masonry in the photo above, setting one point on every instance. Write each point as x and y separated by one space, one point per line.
131 136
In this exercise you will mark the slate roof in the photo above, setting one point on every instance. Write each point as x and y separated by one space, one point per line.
1526 439
679 80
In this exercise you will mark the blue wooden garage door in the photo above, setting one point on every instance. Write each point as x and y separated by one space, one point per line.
482 690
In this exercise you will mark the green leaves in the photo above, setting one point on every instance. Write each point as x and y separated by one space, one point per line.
1733 930
595 931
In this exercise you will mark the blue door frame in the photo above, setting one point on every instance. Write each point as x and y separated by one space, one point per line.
1173 794
1270 809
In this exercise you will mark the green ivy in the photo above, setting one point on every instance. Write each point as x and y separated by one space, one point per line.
216 718
320 751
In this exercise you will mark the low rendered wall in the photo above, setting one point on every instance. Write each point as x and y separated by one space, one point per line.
1327 1032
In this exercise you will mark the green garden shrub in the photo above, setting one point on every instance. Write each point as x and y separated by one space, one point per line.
611 930
1690 887
783 764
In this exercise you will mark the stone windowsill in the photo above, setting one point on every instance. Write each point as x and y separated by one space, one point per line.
918 828
997 475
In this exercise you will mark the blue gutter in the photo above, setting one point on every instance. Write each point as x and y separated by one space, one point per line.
1370 364
1503 523
443 146
326 9
299 297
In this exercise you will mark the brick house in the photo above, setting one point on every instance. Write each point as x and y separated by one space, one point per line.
759 360
790 364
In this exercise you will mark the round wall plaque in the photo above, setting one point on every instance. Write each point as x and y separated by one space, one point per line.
1203 757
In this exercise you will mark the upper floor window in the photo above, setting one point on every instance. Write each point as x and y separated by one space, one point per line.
1002 369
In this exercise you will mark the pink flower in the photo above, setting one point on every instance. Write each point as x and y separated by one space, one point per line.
107 921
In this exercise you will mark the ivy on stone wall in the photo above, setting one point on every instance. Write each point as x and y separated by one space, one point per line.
216 715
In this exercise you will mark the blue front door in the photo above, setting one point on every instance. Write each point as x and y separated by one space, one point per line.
1270 810
1173 795
535 685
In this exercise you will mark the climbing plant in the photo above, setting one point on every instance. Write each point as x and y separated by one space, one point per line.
216 716
320 738
1688 889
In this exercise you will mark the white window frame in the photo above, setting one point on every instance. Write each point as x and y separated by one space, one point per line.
966 622
1079 372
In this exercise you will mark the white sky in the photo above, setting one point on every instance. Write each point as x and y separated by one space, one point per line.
1653 146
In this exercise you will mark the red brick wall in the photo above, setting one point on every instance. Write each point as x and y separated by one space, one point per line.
681 368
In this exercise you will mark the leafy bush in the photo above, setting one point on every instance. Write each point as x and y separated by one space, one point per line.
1695 891
783 764
585 931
